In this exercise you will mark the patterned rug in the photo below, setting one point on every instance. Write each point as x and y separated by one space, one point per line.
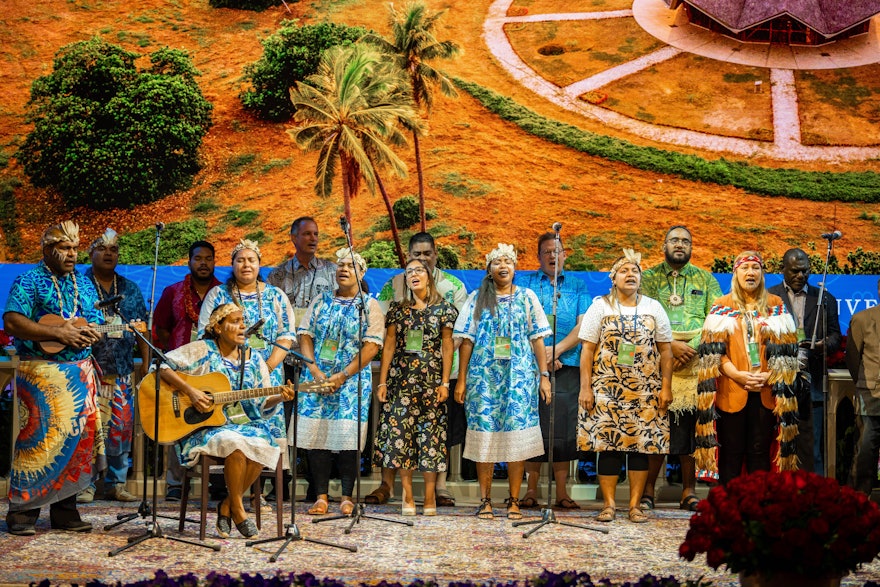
453 545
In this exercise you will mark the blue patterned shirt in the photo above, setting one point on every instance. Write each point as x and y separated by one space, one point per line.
115 351
574 299
33 295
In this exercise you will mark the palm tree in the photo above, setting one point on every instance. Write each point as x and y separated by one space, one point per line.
350 111
414 44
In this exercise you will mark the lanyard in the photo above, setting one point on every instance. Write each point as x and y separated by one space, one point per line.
259 302
635 317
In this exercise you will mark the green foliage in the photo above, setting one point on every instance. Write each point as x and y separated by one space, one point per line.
577 260
238 217
791 183
461 186
8 215
406 211
447 257
107 135
255 5
239 163
138 248
741 78
381 255
290 55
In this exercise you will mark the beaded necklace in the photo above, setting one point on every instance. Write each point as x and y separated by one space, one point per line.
61 298
240 302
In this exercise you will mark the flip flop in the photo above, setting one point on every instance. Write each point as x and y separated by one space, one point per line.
689 503
319 508
444 498
379 496
528 502
647 502
567 504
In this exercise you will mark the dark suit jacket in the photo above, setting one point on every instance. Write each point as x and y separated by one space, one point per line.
832 337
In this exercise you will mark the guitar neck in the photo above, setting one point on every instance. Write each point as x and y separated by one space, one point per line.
105 328
227 397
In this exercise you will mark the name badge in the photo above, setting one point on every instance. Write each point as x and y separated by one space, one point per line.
551 318
676 315
194 333
328 349
502 348
414 339
626 354
256 342
298 315
696 292
801 334
114 320
754 354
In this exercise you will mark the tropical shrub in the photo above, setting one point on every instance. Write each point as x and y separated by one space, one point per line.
255 5
107 134
290 55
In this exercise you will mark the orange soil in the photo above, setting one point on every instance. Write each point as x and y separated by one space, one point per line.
532 183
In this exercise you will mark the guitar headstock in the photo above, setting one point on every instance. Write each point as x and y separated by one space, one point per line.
138 325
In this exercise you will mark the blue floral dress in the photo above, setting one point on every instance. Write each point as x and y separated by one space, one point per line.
276 312
329 421
502 396
256 431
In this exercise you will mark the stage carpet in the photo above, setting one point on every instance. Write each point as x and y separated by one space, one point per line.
452 546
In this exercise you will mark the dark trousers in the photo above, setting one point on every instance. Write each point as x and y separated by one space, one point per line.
611 461
60 513
867 449
806 445
744 437
320 462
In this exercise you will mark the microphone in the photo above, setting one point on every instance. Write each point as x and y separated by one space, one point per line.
160 226
557 226
109 302
832 236
255 329
343 223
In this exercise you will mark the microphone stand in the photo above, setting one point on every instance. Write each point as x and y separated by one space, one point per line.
293 534
143 510
153 528
548 516
820 307
358 512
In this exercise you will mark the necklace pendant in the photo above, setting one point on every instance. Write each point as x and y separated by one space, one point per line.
675 300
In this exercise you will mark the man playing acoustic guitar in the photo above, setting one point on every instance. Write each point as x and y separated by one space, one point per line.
60 439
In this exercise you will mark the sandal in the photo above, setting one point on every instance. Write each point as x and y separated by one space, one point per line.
247 528
224 523
637 516
319 508
484 512
346 507
689 503
529 502
379 496
513 514
607 514
444 498
647 502
567 503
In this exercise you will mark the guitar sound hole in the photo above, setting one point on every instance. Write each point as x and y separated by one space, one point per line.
193 416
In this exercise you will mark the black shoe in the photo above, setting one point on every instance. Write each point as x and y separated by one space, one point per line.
73 526
173 494
22 529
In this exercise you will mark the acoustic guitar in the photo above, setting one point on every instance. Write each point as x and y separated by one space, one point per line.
178 417
53 347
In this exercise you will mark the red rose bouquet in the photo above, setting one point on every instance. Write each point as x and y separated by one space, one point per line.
789 522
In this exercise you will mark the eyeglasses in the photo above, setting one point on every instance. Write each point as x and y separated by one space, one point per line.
416 271
679 241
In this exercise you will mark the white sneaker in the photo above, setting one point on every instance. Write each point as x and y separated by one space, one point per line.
119 493
87 495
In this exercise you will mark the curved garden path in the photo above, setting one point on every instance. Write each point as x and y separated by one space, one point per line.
786 123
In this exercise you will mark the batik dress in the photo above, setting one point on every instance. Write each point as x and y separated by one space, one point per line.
412 426
255 430
329 421
501 402
626 416
60 444
270 305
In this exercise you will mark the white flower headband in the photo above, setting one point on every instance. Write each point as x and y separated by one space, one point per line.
65 231
108 239
246 244
629 256
217 316
346 253
502 250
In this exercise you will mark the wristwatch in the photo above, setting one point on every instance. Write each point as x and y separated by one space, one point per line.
445 384
545 374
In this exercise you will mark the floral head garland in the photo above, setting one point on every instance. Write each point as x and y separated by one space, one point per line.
246 244
67 231
217 316
108 239
502 250
629 256
347 253
749 259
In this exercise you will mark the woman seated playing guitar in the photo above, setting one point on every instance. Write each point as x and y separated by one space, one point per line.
253 435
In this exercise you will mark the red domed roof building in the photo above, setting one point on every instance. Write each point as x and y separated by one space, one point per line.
789 22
